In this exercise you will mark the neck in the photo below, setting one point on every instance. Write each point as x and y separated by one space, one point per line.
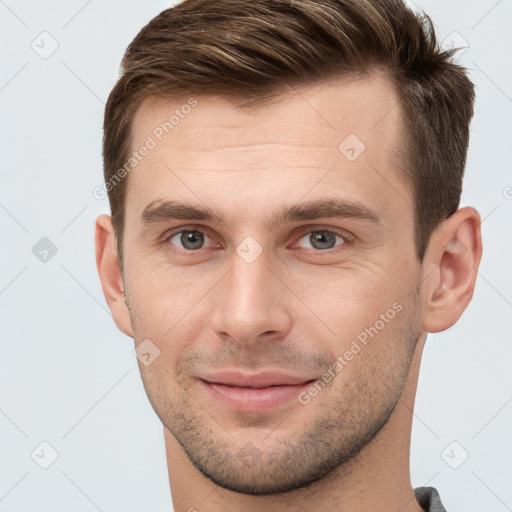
378 478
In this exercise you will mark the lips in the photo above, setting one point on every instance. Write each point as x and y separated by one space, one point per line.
253 391
259 380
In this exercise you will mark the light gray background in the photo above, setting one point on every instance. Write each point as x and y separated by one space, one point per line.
69 377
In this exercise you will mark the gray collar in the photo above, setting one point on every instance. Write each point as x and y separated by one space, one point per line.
429 499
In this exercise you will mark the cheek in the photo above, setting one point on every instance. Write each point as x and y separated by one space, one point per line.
172 308
365 318
349 299
166 292
376 358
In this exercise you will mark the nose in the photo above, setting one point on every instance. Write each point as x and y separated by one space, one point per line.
251 303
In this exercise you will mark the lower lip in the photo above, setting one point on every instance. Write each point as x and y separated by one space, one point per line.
254 398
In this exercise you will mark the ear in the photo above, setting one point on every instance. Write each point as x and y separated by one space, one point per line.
110 274
450 268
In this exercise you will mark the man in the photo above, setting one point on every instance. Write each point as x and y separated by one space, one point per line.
284 178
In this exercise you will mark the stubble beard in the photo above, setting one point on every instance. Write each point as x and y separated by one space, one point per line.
348 416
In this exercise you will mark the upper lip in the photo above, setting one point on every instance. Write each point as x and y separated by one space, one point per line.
255 380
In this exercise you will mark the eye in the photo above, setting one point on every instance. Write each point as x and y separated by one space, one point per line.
323 239
190 239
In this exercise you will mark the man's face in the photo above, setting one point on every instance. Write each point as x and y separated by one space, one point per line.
252 292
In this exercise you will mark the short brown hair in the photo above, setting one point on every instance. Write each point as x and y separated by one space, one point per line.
249 51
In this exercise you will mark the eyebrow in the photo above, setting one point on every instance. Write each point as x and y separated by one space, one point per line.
164 210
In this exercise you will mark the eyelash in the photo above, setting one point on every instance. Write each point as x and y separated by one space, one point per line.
345 238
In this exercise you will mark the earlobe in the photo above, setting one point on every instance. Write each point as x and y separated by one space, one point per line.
110 274
450 268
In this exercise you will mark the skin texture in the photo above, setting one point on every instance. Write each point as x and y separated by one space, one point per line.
295 308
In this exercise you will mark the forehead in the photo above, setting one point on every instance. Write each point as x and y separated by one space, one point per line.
366 103
351 127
